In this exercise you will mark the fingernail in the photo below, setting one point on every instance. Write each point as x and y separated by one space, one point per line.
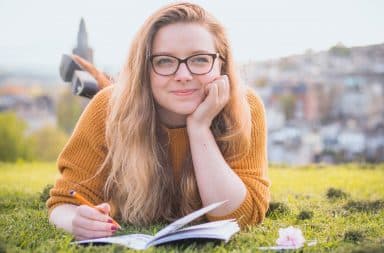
110 221
113 228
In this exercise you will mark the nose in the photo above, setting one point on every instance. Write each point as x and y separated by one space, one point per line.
183 73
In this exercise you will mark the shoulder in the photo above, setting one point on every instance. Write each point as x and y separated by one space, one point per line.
95 113
98 105
101 99
256 104
258 116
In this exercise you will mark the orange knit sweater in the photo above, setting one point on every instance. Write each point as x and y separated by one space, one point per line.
86 150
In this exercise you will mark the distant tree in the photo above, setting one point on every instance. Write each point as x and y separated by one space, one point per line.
12 140
340 50
46 143
287 64
261 82
69 108
288 103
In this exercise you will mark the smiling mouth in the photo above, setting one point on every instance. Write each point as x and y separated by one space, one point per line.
184 92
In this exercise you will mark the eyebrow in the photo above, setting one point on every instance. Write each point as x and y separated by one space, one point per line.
191 53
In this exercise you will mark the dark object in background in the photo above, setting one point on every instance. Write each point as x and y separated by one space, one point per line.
305 215
333 193
44 195
83 84
276 209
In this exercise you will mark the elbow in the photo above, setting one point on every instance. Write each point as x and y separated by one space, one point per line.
257 214
54 214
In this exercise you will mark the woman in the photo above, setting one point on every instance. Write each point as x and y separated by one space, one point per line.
174 133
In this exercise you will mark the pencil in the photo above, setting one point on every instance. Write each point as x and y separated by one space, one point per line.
84 201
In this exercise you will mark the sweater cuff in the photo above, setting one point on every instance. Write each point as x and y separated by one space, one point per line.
239 214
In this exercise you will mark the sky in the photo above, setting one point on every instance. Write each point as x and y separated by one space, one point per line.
34 34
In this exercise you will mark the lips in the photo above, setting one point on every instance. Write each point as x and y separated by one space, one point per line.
185 92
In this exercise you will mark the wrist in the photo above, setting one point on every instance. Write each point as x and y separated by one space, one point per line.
62 216
197 124
199 130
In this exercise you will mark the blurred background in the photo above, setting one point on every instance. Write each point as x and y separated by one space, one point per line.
318 66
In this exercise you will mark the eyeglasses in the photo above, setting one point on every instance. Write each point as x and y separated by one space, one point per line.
198 64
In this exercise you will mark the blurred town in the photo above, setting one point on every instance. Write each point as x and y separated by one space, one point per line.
323 106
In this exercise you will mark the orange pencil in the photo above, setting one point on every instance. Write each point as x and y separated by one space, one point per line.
86 202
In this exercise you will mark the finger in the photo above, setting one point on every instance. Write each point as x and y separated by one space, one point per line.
80 232
92 213
93 224
213 92
80 238
211 82
104 208
226 90
220 80
223 88
206 89
220 89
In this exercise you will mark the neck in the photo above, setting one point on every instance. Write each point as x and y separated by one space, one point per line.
171 119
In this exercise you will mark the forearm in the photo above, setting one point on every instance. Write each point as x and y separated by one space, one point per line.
215 179
62 216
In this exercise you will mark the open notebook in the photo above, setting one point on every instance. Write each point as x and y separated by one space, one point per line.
217 230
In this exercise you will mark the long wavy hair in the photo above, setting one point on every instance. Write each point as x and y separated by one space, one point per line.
140 183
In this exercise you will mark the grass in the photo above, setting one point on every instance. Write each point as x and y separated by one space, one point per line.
342 207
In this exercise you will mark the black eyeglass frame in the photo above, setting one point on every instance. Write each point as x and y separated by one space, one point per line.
185 60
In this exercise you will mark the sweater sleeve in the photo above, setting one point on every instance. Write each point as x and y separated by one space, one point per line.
82 156
253 170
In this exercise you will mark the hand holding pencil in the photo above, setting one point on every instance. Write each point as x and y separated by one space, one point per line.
92 221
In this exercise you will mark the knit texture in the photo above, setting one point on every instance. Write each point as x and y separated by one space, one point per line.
86 150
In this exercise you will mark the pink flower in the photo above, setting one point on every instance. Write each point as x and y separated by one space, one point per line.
290 236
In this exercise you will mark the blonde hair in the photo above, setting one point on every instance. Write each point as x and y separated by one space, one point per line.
140 183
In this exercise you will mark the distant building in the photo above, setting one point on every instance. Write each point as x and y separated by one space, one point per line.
37 112
82 49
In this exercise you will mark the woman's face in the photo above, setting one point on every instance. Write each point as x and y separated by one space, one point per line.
179 94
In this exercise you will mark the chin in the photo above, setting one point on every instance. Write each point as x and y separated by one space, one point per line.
185 109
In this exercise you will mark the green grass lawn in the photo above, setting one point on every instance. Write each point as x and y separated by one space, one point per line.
350 219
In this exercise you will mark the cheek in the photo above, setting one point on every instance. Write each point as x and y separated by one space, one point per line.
207 78
154 79
158 84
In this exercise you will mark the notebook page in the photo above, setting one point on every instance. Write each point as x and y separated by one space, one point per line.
187 219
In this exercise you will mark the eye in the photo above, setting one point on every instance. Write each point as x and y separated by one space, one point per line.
163 61
200 59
